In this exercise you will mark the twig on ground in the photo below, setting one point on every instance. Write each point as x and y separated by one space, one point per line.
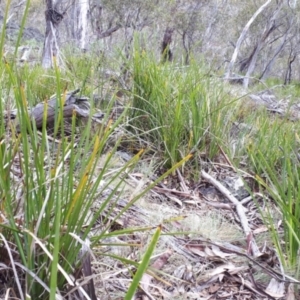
239 251
196 199
182 183
226 157
240 209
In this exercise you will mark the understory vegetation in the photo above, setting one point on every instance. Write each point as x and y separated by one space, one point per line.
62 192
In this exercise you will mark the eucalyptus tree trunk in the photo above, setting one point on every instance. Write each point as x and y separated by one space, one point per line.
79 22
166 52
270 27
242 38
51 49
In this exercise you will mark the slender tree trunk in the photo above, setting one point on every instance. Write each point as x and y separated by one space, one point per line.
286 37
166 52
288 75
80 23
51 49
254 56
270 64
186 47
242 37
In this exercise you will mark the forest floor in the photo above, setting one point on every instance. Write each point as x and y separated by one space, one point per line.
214 243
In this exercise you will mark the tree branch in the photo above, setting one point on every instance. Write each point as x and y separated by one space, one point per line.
242 37
108 32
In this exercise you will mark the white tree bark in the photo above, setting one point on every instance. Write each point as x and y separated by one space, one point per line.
80 22
84 6
292 3
263 38
242 37
50 48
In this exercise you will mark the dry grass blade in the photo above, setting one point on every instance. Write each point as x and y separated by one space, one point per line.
39 242
85 258
18 283
35 277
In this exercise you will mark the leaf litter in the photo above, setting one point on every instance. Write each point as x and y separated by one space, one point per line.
210 246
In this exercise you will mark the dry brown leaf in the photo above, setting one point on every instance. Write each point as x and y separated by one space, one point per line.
275 288
197 250
260 229
188 274
216 250
158 264
214 288
223 268
290 292
209 252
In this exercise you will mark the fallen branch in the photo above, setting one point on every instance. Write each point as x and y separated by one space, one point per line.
240 209
72 105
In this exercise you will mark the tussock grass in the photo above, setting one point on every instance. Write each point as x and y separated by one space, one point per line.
275 159
181 109
48 184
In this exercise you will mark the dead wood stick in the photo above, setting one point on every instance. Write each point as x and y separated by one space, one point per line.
240 209
182 183
222 189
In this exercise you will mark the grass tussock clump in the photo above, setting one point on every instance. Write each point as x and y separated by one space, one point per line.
180 108
49 184
47 191
274 157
